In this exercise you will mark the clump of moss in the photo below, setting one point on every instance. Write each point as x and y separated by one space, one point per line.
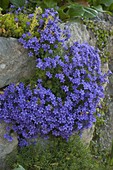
102 34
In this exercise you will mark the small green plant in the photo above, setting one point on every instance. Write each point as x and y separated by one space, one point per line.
57 154
12 25
102 34
102 5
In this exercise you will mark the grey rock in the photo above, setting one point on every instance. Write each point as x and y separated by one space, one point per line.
79 33
87 135
105 131
6 147
14 62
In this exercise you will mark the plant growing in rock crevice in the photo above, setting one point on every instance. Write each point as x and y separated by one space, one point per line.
102 35
69 88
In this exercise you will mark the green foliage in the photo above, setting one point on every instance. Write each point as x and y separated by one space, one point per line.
9 27
101 2
48 4
57 154
77 10
17 3
102 5
4 4
68 9
19 167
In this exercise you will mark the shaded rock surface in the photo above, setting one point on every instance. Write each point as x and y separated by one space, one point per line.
87 135
6 148
14 62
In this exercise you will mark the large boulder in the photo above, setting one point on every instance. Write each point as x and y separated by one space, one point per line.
15 64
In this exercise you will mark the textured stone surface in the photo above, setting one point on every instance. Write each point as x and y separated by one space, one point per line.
14 62
87 135
78 33
6 147
106 131
110 85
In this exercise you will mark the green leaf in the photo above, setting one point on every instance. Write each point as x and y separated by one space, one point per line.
111 7
4 4
19 168
41 4
75 11
92 10
109 13
90 13
50 3
94 2
62 14
106 2
18 3
98 8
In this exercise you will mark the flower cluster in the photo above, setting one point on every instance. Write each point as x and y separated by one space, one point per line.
77 79
64 99
45 34
69 83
